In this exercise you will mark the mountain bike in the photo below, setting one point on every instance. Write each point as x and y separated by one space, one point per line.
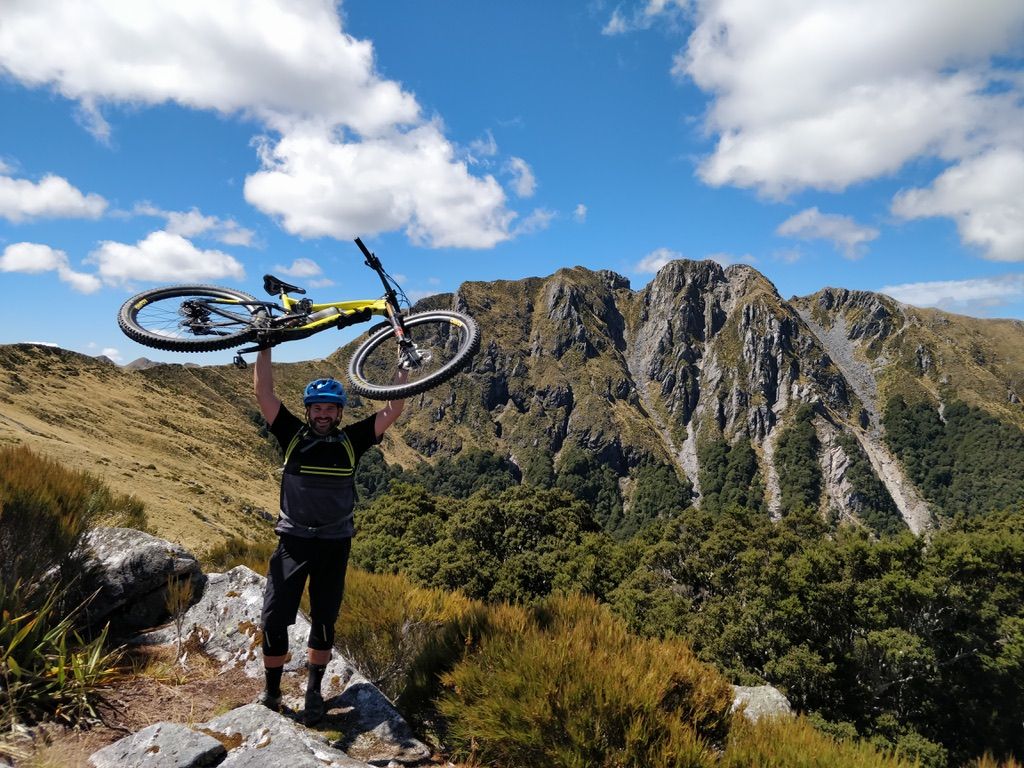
432 346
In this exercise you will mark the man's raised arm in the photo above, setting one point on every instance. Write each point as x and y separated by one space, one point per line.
263 383
386 416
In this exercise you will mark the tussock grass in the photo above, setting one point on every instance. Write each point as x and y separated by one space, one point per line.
44 511
239 551
565 684
988 761
386 623
47 669
784 743
561 683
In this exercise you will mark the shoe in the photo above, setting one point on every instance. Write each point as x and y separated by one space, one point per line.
314 711
271 702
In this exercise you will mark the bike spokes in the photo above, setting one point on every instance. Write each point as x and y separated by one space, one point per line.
436 346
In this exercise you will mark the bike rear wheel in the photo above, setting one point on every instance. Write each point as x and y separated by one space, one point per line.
449 339
189 318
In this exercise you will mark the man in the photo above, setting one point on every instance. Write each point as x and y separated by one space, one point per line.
315 526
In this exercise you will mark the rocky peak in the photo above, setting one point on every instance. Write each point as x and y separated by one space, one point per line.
867 315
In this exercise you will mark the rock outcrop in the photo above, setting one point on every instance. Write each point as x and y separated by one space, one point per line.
223 624
130 571
248 737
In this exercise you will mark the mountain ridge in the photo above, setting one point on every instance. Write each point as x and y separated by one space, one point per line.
575 359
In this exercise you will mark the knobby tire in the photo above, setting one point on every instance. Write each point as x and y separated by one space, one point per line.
168 300
451 333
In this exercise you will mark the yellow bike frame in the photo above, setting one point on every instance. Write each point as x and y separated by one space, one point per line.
376 307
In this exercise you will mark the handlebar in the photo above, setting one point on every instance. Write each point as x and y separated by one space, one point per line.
374 263
371 261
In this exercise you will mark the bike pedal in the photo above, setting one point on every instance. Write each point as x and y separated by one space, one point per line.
239 362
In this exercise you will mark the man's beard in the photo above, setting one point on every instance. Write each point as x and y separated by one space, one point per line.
315 425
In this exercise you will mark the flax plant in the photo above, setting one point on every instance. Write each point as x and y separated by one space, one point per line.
47 671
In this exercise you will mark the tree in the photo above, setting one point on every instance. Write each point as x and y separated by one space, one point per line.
796 457
582 475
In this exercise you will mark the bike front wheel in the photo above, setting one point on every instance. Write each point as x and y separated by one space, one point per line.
189 318
445 341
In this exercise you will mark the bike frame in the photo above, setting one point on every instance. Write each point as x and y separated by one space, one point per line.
346 308
278 326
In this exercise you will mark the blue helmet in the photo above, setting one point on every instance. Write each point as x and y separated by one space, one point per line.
325 391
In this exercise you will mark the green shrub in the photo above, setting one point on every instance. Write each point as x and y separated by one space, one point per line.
386 622
565 684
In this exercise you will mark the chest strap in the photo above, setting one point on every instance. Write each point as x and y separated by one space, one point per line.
311 469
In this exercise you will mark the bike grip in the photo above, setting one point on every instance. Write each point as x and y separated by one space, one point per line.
364 249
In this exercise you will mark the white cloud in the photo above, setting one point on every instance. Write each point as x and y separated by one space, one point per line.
819 94
788 255
842 231
482 148
300 268
35 258
279 60
51 197
984 195
523 182
350 152
162 257
318 185
192 223
538 220
970 296
113 353
656 259
641 17
580 213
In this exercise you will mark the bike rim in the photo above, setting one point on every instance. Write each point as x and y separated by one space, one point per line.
173 318
445 339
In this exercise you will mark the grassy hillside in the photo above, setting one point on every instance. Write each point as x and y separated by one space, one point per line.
186 440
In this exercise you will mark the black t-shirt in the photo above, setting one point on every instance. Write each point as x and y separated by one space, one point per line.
317 488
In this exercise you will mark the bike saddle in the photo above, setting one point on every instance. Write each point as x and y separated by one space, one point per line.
275 287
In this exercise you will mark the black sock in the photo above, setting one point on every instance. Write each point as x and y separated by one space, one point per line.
316 676
273 677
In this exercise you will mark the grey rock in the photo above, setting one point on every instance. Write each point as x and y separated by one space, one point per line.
225 623
267 739
163 745
130 570
760 701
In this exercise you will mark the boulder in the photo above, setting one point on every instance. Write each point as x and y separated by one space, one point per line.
760 701
251 736
162 745
130 570
225 625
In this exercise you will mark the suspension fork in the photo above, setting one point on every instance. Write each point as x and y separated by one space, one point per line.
408 355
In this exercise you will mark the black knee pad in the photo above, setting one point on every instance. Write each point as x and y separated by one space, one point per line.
275 641
321 636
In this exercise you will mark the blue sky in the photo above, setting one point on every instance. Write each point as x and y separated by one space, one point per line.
866 144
